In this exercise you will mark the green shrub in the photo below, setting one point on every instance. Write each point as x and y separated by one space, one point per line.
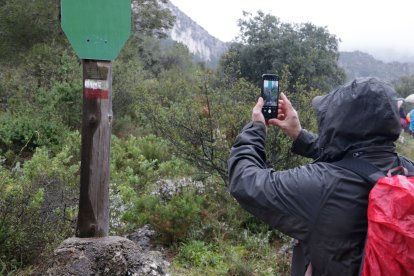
129 166
175 168
172 220
199 254
38 204
238 263
153 148
137 165
63 101
28 225
25 132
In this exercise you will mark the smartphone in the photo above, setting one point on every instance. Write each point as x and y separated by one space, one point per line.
270 95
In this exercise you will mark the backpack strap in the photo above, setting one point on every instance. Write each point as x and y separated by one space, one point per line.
371 174
364 169
408 165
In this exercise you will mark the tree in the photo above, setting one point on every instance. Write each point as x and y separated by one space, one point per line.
26 23
265 44
193 115
150 19
201 116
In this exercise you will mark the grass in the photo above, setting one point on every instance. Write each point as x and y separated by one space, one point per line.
225 258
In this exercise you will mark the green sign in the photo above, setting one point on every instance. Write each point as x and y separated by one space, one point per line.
97 29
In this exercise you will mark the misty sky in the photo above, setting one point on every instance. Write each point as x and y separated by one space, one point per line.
367 25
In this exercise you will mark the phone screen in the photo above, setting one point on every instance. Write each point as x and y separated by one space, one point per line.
270 92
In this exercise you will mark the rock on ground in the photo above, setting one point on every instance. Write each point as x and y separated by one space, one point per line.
103 256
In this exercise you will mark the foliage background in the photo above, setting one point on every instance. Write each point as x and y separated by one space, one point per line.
175 121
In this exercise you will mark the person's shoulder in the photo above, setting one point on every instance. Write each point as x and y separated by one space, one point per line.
407 162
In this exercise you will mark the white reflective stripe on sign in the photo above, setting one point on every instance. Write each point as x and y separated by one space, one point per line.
97 84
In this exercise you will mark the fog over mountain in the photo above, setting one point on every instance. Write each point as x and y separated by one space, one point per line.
389 55
209 49
360 64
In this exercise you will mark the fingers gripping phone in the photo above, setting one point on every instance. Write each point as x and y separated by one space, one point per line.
270 95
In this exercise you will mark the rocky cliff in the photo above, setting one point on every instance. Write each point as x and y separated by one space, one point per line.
200 43
208 49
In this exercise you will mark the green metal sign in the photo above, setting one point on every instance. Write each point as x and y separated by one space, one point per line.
97 29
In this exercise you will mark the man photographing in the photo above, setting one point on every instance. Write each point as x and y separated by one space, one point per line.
322 205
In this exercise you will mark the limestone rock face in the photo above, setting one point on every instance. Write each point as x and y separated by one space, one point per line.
103 256
200 43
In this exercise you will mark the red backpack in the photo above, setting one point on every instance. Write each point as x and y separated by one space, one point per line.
389 247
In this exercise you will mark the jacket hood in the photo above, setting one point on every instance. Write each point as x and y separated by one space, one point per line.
362 113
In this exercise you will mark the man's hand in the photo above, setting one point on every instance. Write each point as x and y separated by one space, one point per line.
257 115
287 118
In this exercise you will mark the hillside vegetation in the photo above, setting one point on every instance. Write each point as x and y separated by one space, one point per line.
174 123
359 64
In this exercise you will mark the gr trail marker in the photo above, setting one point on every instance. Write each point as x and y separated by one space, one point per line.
97 30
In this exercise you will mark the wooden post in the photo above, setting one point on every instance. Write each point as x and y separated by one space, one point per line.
93 216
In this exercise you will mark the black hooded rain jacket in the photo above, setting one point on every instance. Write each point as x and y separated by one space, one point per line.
321 205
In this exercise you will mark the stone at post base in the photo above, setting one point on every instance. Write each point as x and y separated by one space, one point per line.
101 256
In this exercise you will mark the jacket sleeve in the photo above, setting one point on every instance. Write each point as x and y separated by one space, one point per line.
285 200
306 144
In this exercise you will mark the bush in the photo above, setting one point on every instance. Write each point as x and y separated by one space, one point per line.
129 166
172 220
200 122
25 132
199 254
137 165
37 206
